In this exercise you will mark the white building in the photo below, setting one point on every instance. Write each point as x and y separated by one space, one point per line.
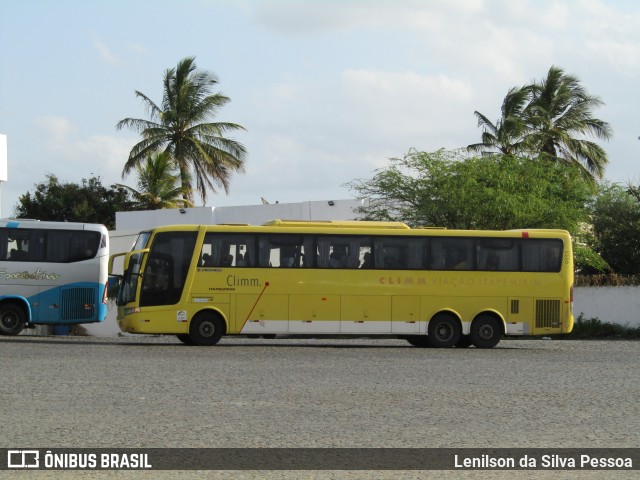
248 214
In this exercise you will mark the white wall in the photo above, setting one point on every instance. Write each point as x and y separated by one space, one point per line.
619 305
259 214
154 218
249 214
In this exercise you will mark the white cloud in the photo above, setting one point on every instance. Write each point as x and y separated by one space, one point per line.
404 104
57 129
138 48
316 16
75 156
105 53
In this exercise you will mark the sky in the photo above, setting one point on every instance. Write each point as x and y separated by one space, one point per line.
327 90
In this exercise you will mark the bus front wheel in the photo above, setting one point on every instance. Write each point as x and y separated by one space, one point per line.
185 338
486 331
418 341
206 329
444 331
12 319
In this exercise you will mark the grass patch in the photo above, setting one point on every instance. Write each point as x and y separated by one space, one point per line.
594 328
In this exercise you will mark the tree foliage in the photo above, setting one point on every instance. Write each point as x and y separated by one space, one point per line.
88 202
616 227
445 189
550 119
180 127
508 134
158 185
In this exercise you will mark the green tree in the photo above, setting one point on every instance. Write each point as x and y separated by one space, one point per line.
560 115
498 192
552 120
616 227
88 202
181 128
508 133
158 184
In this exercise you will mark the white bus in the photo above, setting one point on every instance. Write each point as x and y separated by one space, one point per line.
52 273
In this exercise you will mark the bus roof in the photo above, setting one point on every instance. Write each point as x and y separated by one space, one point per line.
37 224
355 227
335 224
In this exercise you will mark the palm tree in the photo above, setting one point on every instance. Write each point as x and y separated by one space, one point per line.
180 127
508 133
560 117
158 184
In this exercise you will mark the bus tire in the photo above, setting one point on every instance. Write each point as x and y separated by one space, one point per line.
12 319
464 342
206 329
418 341
486 331
444 331
185 338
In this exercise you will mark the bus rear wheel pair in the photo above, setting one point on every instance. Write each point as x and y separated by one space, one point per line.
445 331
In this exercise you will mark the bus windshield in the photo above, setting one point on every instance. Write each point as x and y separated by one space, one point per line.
129 284
141 241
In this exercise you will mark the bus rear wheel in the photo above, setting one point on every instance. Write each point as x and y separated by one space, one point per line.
464 342
12 319
444 331
206 329
486 331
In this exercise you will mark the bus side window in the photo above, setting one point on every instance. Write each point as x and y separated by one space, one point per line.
399 253
541 255
211 250
449 253
497 254
4 252
283 251
26 246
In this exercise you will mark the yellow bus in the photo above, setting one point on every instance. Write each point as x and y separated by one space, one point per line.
433 287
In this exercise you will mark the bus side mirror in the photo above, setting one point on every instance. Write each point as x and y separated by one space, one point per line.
112 258
137 255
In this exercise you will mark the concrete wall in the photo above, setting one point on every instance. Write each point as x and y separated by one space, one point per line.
620 305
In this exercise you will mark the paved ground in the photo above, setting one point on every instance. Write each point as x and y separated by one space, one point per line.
155 392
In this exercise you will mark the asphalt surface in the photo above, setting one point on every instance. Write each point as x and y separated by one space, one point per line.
134 392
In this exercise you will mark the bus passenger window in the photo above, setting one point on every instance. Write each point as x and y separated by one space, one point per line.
452 254
366 261
343 252
497 254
